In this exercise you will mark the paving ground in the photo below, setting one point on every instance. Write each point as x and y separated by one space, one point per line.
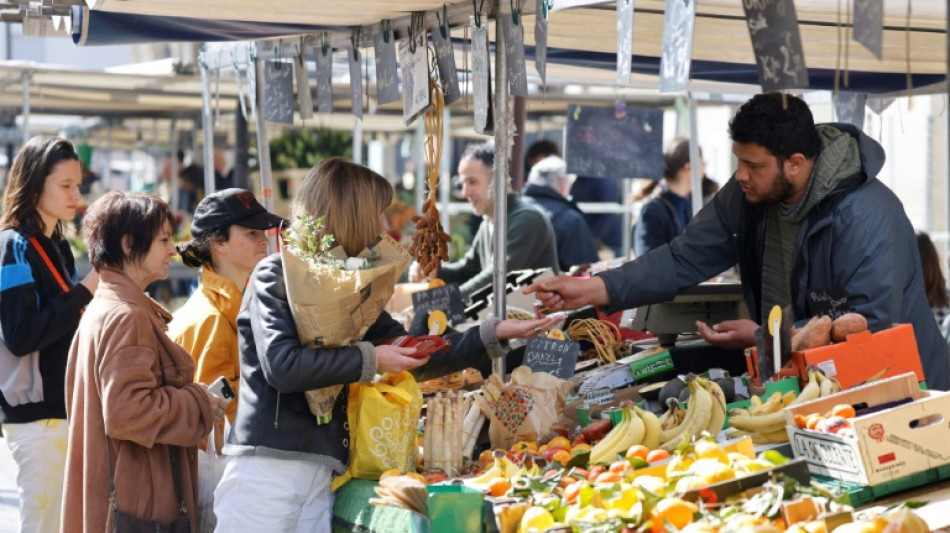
9 503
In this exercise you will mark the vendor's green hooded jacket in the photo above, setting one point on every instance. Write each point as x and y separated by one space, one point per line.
857 236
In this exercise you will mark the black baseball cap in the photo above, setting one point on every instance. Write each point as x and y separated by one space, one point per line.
231 206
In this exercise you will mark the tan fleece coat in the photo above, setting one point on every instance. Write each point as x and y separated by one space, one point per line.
114 387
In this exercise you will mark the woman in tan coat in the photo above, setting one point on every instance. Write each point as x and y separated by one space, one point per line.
131 403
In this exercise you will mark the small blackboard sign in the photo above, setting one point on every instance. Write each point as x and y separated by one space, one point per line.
447 299
555 357
678 22
278 92
831 301
603 143
849 107
869 24
777 44
387 89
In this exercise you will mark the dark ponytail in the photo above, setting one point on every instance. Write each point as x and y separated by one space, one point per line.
197 253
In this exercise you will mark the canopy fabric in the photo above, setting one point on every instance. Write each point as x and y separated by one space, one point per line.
91 28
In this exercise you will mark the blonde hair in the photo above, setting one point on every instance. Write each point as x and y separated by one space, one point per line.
351 199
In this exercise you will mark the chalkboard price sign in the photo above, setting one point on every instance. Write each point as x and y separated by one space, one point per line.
678 21
278 92
831 301
601 144
447 299
777 44
555 357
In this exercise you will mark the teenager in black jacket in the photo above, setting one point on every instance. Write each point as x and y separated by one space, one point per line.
40 306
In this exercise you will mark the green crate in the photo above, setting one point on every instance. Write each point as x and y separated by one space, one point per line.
858 495
455 509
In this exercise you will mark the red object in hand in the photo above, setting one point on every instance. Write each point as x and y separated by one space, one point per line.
425 346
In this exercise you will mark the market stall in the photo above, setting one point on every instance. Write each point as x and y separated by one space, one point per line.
572 438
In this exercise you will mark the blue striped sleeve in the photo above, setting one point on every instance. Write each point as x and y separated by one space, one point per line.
18 272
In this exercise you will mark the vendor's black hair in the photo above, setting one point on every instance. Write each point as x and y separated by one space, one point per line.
197 253
781 123
484 152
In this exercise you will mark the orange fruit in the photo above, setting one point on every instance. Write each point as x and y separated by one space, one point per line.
498 487
843 410
559 442
677 512
801 421
619 467
638 450
812 420
595 471
562 456
486 456
657 455
572 491
608 477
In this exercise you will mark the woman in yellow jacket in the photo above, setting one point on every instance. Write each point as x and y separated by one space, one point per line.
229 239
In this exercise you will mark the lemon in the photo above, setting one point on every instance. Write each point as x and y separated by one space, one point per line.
709 449
753 465
628 497
712 471
653 484
774 457
537 519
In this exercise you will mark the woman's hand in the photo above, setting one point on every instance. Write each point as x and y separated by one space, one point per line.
524 329
396 358
218 405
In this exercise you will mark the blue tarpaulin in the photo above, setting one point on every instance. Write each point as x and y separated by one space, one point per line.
91 28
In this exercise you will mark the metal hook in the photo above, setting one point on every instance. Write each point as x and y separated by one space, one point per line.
544 9
444 21
478 18
324 47
354 41
280 54
514 12
386 27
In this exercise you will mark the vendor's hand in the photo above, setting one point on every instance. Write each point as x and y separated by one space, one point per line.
394 359
524 329
566 292
415 273
729 333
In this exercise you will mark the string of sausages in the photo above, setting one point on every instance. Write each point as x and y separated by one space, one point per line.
430 244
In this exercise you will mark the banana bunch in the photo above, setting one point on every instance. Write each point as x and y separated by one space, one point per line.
636 427
501 468
674 414
706 412
764 421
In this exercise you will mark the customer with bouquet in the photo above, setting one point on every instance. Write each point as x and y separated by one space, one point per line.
283 461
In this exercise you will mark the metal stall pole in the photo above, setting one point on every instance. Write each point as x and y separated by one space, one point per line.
26 107
207 130
500 186
173 166
445 182
696 172
626 218
263 145
358 141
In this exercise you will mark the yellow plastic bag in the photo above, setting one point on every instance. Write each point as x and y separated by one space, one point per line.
383 419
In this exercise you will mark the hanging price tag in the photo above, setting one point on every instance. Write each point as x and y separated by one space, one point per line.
384 43
481 80
445 58
541 38
324 77
514 50
678 22
416 97
624 40
356 81
777 44
304 100
869 24
278 92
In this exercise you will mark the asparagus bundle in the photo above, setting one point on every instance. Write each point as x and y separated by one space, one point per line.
444 432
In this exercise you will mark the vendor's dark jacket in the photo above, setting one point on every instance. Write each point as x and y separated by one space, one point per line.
857 237
531 244
575 242
273 418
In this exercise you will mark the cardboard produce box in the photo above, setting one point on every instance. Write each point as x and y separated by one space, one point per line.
888 444
862 356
